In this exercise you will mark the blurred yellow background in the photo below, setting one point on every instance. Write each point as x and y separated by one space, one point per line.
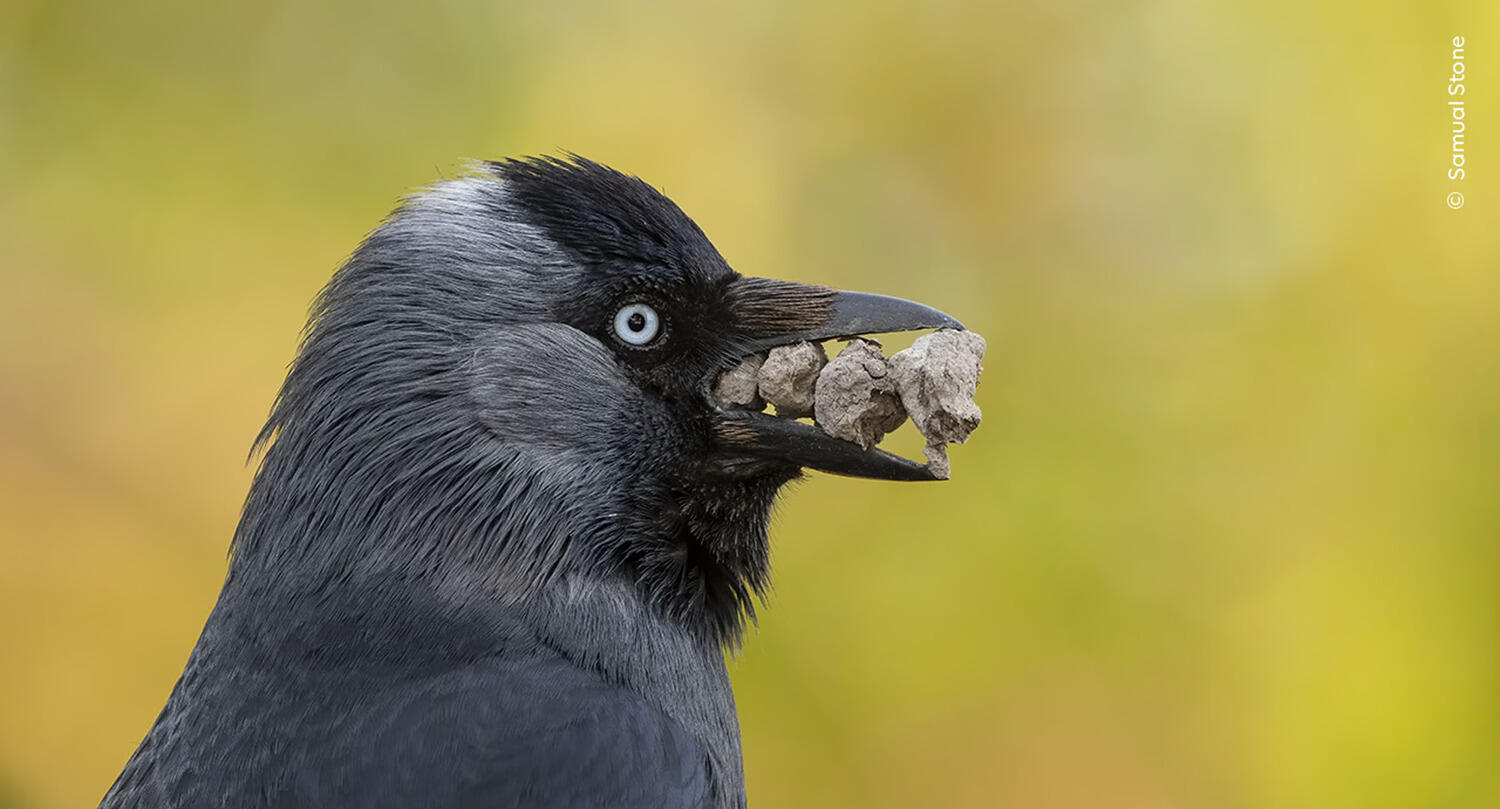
1229 536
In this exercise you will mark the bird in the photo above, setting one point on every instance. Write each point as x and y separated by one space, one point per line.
501 538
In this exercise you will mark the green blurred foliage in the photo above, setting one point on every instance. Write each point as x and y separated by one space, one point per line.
1228 537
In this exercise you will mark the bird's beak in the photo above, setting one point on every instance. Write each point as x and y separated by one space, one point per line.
770 313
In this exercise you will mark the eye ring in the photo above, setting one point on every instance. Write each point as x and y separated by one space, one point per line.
637 324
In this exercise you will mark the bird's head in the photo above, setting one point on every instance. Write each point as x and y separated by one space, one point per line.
511 378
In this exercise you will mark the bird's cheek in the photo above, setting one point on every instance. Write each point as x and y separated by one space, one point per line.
552 390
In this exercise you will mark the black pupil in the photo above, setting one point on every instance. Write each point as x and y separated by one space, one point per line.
636 321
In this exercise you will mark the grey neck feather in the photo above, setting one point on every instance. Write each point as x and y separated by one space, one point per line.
605 627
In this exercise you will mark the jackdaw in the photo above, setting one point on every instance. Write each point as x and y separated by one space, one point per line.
501 534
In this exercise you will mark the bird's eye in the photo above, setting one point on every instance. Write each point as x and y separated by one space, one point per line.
637 324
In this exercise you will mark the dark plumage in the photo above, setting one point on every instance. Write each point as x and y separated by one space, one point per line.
494 550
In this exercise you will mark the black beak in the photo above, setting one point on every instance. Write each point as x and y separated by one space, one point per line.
770 313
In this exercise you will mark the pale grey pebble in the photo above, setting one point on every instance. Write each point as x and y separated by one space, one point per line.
856 397
740 385
788 377
937 378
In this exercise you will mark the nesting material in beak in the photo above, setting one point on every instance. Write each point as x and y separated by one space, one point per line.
860 395
740 386
790 376
857 398
937 378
